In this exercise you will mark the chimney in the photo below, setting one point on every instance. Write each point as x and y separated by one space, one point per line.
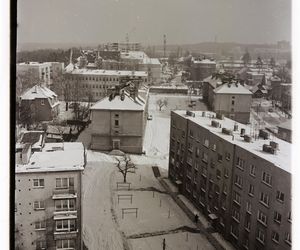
26 153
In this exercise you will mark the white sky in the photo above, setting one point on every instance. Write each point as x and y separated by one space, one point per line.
183 21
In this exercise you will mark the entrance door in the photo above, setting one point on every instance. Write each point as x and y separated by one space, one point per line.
116 144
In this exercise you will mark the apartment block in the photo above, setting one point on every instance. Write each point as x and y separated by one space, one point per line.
239 177
95 84
48 196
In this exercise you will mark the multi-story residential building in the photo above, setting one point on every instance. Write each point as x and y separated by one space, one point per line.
40 103
237 176
201 69
230 99
96 83
37 71
48 196
119 122
123 46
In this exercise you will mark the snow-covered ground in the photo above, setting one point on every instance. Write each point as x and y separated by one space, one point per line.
158 215
157 134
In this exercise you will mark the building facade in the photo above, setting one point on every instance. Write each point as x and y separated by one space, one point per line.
40 103
119 123
41 71
201 69
230 99
241 181
95 84
48 197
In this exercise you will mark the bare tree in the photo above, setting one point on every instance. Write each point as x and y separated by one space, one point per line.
125 166
62 87
161 103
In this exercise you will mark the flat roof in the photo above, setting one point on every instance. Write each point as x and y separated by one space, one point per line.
281 159
61 156
34 63
103 72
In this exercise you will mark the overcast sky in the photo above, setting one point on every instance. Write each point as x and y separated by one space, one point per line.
183 21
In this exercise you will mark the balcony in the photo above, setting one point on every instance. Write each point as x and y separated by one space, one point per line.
61 235
65 193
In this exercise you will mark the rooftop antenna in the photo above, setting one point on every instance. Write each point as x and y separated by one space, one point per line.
165 43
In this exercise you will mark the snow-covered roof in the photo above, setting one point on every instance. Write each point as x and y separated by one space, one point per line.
35 138
117 104
103 72
281 159
148 60
70 67
38 64
38 91
62 156
237 89
134 55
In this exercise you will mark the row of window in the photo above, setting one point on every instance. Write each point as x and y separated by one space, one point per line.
93 78
60 244
60 225
61 183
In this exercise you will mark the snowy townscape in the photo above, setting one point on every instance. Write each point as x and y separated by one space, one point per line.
136 146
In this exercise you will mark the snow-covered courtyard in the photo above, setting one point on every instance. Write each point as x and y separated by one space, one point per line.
158 216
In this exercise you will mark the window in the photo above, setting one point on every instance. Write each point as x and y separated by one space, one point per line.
191 133
42 102
289 216
240 163
238 181
232 102
280 196
218 174
65 205
206 143
197 152
220 157
236 215
275 236
277 217
40 244
248 207
214 147
65 225
262 218
248 222
234 231
116 123
38 183
62 183
226 173
227 156
261 236
251 190
237 198
252 170
204 157
266 178
264 199
224 188
40 225
39 205
288 238
65 244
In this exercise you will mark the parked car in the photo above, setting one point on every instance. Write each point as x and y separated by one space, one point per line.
149 117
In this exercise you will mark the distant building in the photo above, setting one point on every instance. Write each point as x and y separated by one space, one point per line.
201 69
239 178
41 103
94 84
48 196
123 46
285 131
119 123
232 100
56 69
41 71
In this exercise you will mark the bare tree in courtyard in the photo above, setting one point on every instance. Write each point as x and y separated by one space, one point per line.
161 103
125 166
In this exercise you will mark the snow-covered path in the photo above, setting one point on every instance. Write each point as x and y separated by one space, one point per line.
99 228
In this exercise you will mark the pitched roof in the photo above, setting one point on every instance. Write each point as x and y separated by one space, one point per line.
38 91
117 104
286 125
232 89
